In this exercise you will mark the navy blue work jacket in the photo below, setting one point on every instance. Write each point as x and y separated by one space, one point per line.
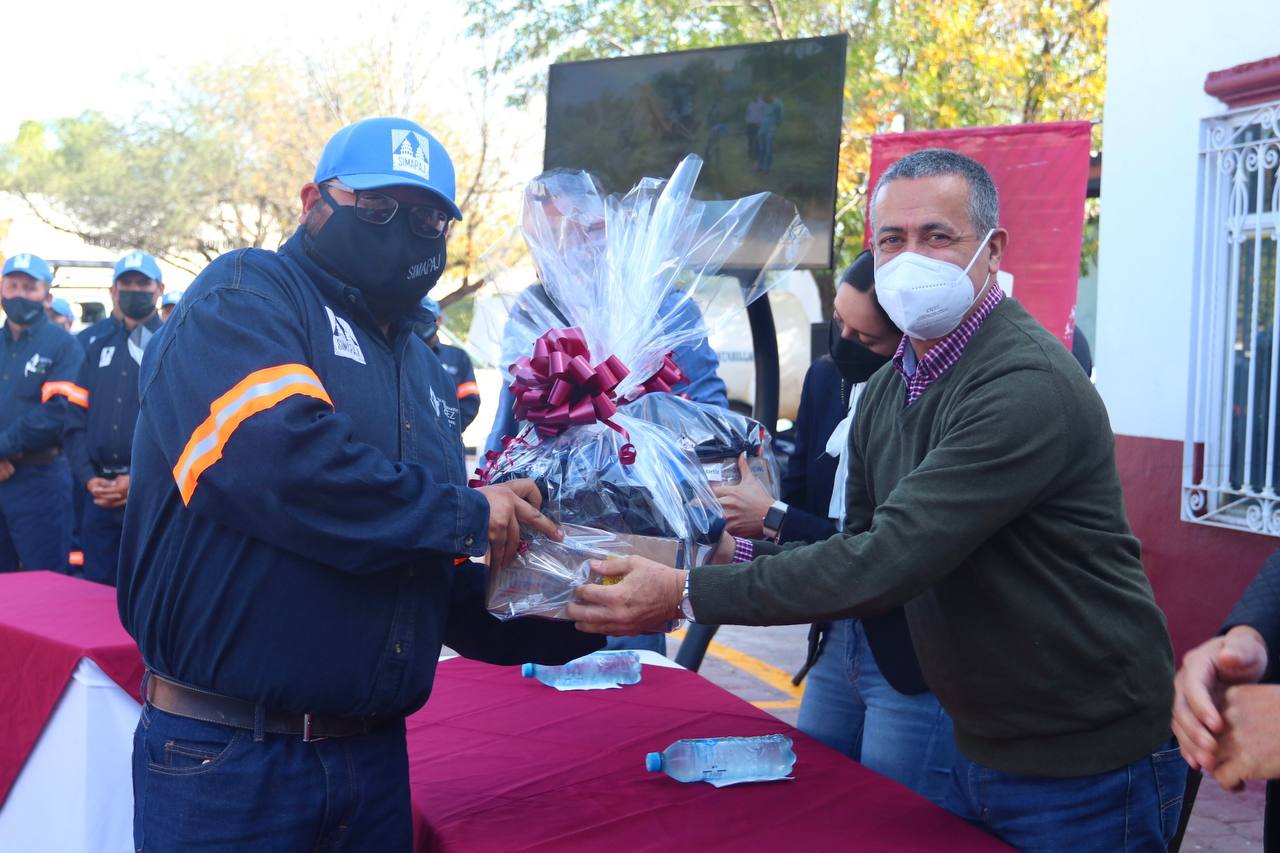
298 499
100 437
93 331
37 383
462 374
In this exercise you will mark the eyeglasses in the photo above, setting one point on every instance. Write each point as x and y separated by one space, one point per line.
425 220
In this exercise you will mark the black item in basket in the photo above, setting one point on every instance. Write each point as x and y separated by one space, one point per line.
715 435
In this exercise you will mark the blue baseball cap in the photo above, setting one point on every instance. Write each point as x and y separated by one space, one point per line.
389 151
63 307
33 265
138 261
429 304
171 297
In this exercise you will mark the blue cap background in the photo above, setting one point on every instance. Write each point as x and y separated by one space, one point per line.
431 305
171 297
389 151
33 265
63 307
138 261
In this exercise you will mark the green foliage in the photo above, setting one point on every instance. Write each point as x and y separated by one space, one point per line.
911 65
457 318
218 162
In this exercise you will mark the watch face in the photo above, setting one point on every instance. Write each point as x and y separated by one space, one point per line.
686 607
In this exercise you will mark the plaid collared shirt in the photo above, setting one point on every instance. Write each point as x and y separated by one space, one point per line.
946 352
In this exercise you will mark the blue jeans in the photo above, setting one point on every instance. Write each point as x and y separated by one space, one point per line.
652 642
208 787
849 706
1134 808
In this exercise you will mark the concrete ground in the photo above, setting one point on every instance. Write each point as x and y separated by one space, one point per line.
757 663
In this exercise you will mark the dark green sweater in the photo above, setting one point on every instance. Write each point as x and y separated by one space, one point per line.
991 507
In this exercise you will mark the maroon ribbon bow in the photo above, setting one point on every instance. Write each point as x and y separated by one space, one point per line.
557 387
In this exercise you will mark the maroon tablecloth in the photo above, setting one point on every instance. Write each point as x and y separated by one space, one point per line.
502 763
498 762
48 622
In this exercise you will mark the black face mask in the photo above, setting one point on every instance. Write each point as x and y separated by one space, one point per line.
855 362
21 310
135 304
393 267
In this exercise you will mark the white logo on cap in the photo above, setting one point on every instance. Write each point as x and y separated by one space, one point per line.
22 262
410 153
134 260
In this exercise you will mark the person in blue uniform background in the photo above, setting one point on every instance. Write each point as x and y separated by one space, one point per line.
100 437
37 385
60 313
299 535
454 360
168 303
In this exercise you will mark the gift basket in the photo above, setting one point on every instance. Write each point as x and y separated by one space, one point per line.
715 436
624 281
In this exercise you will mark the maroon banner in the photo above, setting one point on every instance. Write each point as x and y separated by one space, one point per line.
1041 171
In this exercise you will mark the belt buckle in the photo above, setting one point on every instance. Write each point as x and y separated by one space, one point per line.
306 730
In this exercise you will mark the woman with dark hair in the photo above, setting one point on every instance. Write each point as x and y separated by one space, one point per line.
865 695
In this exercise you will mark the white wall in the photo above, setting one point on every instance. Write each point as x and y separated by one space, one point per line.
1158 53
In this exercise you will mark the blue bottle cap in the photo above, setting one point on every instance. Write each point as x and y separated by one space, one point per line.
527 670
653 762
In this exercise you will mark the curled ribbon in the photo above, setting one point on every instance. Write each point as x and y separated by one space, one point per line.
486 470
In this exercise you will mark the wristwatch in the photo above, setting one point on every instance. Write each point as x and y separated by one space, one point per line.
686 606
773 520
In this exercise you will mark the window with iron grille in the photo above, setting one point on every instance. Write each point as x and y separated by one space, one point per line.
1231 462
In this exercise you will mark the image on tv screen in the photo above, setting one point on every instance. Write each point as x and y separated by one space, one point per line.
763 117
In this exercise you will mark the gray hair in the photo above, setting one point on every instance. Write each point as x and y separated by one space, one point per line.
984 199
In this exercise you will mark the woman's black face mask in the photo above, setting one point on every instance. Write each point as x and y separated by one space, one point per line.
855 362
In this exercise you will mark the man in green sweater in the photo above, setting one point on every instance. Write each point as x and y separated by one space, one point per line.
983 495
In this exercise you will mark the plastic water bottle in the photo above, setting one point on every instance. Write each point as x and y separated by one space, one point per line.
593 672
725 760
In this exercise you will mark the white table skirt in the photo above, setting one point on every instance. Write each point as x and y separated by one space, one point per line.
74 794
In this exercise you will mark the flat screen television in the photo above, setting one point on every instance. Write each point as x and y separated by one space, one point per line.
763 117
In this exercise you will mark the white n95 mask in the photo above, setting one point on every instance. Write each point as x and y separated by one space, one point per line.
925 297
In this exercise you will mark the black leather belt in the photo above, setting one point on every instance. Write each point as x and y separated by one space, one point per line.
43 456
195 704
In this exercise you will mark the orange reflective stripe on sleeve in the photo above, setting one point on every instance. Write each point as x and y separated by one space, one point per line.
70 390
468 389
257 392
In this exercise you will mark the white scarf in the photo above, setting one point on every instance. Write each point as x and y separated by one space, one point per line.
838 448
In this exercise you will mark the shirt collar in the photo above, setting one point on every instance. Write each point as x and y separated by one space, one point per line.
953 344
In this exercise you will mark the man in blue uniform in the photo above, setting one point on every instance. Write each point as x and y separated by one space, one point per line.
37 384
296 538
60 313
97 329
169 303
454 360
100 437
